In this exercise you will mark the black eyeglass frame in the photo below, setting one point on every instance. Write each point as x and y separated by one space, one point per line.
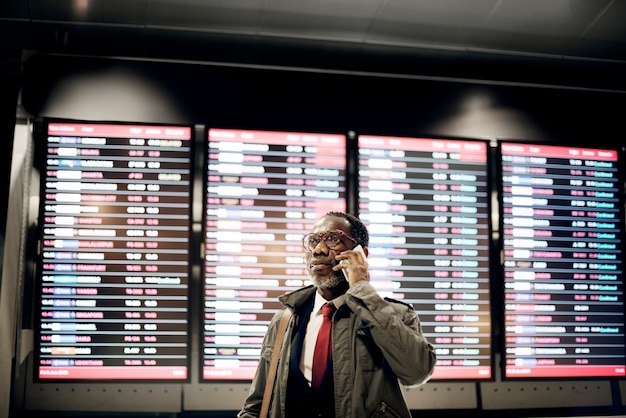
323 236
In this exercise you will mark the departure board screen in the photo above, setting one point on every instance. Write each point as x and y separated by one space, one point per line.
426 204
562 226
115 215
265 190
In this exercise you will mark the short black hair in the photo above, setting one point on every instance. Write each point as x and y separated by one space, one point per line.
358 231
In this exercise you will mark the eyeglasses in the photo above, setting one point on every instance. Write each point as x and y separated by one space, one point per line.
332 239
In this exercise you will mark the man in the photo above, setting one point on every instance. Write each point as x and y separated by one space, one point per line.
377 343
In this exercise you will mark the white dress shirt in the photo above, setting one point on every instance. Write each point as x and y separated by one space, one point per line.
312 329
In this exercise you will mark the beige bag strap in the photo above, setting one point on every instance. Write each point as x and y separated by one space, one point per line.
269 385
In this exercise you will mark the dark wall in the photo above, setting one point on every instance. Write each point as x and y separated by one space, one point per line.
10 65
166 92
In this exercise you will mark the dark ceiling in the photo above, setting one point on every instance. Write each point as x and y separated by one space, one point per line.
573 43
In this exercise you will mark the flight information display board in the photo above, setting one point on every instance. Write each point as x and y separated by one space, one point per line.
426 204
265 190
562 227
114 272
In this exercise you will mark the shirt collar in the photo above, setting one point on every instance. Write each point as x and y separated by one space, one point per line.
319 301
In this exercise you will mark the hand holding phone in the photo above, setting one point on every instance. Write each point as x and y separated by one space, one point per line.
363 264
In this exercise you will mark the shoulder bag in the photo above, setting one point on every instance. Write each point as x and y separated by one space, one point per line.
269 385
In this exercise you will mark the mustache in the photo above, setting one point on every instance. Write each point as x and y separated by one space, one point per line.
326 281
324 260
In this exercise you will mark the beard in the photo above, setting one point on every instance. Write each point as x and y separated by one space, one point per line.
328 281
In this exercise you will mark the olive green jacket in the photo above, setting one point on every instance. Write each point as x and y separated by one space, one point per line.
378 346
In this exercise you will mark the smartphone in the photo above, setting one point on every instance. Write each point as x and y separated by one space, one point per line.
360 249
357 248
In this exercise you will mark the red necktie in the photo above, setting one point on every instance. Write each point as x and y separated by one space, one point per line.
322 347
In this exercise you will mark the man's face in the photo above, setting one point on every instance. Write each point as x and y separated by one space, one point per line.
320 261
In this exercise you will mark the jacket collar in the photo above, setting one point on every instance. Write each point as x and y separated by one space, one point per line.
296 299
